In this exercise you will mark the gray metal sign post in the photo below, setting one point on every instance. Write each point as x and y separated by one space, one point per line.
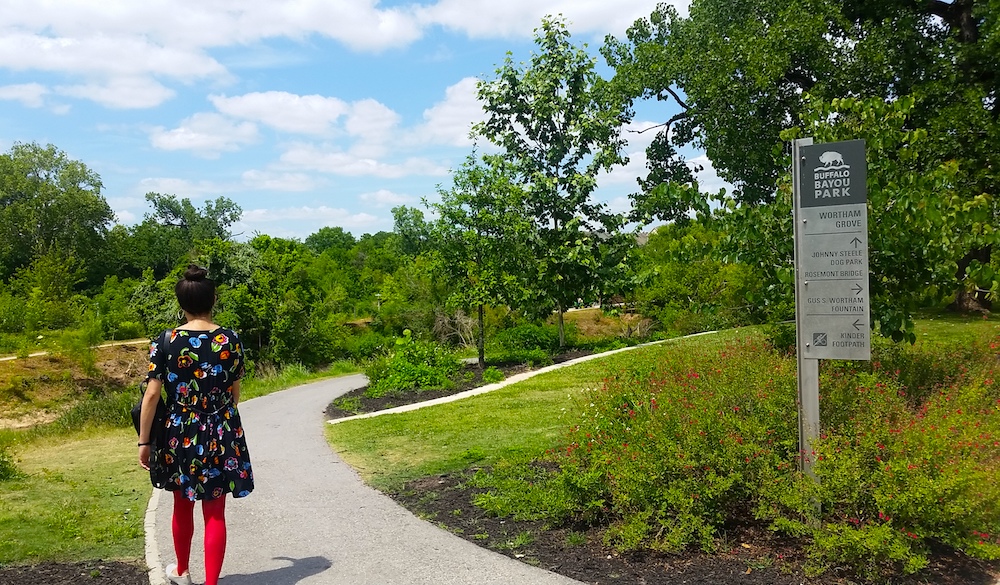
832 312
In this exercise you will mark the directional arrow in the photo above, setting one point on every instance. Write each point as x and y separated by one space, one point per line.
857 324
857 289
857 242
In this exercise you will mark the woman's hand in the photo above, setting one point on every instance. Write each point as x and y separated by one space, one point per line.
144 452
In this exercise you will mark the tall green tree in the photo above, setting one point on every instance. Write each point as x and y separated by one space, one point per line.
412 229
333 239
481 238
51 204
559 126
738 73
170 232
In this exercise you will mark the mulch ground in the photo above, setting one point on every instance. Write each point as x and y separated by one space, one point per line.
749 554
90 572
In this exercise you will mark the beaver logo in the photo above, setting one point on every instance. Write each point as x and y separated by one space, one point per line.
831 158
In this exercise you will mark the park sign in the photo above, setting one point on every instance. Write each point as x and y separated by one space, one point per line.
831 251
832 316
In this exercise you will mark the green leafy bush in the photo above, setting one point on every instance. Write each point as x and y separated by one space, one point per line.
366 345
527 343
666 454
528 336
11 313
8 467
492 375
412 364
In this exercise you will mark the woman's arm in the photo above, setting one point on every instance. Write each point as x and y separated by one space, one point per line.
153 387
236 393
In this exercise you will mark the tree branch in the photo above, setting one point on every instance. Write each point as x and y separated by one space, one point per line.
676 97
958 15
668 123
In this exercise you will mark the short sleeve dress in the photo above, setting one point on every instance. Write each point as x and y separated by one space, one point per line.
205 453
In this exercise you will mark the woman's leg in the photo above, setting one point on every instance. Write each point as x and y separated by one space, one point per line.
183 530
215 537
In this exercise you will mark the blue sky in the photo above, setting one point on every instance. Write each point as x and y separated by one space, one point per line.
307 113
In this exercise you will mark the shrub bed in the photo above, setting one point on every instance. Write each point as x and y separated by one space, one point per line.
664 456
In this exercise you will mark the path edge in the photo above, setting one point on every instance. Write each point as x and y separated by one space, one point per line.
507 382
156 576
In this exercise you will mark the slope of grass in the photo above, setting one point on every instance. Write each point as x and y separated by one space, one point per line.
522 419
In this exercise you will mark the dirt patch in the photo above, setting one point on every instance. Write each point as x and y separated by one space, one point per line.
470 377
95 572
36 390
749 554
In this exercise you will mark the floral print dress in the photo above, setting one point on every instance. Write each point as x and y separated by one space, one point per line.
205 454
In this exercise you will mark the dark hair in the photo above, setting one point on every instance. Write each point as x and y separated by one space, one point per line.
195 292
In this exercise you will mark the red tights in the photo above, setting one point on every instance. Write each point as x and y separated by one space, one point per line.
214 512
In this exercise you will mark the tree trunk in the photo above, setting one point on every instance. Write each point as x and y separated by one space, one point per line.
965 301
562 331
481 342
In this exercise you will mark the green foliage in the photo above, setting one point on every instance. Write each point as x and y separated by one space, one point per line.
559 128
47 285
50 203
481 238
11 313
689 287
8 465
525 343
410 297
492 375
366 345
925 221
782 337
667 451
528 336
744 73
411 364
332 240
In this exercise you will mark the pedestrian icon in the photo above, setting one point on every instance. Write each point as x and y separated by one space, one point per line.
819 339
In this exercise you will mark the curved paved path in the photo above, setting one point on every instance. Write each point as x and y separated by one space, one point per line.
311 520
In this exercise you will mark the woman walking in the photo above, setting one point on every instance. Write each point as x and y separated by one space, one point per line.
204 455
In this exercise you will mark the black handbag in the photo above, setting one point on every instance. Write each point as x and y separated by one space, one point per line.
159 430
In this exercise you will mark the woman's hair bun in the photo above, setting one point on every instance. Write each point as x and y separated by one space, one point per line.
195 273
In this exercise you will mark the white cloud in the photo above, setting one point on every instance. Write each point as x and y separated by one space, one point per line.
268 181
103 55
620 204
386 198
517 18
206 134
29 94
121 92
308 114
450 121
299 222
124 217
180 187
337 162
374 126
708 179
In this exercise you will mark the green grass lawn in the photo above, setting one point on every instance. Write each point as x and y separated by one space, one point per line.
522 419
945 326
82 496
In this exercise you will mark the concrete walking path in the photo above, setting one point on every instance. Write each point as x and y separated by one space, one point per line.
311 520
